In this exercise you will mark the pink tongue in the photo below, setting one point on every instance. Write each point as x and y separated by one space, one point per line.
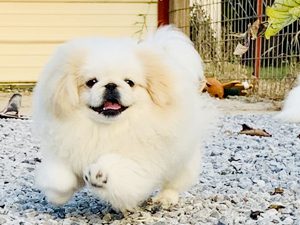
112 106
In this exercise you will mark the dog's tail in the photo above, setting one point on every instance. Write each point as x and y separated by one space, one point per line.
177 46
291 107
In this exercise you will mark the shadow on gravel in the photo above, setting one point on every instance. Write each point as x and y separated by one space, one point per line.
81 205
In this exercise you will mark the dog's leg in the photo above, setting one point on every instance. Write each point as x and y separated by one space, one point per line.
185 178
119 180
56 180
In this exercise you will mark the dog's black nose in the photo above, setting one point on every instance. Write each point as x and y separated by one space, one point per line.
110 86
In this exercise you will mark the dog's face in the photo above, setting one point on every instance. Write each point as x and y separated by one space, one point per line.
113 84
112 81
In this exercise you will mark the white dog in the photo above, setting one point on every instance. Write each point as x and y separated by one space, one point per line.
291 107
123 117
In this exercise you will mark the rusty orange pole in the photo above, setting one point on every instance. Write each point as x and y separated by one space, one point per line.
259 9
162 12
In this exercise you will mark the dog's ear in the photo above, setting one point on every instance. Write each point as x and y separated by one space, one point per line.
157 73
65 96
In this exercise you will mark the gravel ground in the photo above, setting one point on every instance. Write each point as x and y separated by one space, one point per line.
237 186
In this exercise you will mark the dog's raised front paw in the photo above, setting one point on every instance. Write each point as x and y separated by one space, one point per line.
95 177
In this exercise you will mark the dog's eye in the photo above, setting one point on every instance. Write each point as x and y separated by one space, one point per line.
129 82
90 83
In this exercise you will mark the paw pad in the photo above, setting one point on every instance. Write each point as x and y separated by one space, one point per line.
95 178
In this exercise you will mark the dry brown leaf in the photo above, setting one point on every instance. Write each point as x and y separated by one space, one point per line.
262 28
276 206
254 29
240 49
254 132
277 191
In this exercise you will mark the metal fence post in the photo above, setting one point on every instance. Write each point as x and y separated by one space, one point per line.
258 41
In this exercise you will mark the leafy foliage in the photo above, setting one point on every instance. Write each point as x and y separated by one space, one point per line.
281 14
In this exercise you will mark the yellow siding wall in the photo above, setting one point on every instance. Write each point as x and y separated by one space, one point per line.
30 30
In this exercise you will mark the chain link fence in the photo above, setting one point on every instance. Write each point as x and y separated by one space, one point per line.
229 36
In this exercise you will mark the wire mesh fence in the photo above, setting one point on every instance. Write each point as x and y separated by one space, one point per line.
229 36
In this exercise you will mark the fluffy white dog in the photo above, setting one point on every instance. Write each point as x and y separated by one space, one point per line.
123 117
291 107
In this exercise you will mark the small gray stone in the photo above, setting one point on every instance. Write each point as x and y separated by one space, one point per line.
288 221
107 217
60 212
2 220
159 223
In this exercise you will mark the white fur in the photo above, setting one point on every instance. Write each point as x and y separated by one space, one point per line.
155 143
63 180
170 40
291 108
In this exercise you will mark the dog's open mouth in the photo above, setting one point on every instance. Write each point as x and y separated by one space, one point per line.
110 108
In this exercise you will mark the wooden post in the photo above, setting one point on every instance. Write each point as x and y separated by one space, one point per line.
258 41
179 14
162 12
